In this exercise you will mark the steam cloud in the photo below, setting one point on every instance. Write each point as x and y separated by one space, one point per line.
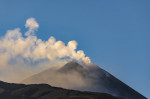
32 25
21 54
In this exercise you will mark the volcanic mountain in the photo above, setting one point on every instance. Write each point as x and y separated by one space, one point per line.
84 78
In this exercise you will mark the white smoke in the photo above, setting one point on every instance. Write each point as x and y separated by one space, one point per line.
14 44
32 25
18 50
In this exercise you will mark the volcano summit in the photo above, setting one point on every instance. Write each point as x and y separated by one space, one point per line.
84 78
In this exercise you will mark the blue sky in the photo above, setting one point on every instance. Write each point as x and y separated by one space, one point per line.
113 33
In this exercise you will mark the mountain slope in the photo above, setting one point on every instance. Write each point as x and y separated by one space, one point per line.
44 91
86 78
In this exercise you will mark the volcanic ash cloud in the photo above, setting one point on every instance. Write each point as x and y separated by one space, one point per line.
18 50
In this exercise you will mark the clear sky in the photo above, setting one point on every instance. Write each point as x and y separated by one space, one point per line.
115 34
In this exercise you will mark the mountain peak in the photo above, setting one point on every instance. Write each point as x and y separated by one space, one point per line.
86 78
71 66
72 63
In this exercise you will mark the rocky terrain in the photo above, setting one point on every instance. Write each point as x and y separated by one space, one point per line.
44 91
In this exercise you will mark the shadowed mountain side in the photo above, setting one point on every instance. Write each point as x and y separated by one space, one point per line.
85 78
44 91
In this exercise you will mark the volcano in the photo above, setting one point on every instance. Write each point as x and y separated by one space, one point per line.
84 78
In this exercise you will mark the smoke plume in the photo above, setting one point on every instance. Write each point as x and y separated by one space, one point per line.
21 56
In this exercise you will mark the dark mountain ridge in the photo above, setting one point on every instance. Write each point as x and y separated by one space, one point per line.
45 91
